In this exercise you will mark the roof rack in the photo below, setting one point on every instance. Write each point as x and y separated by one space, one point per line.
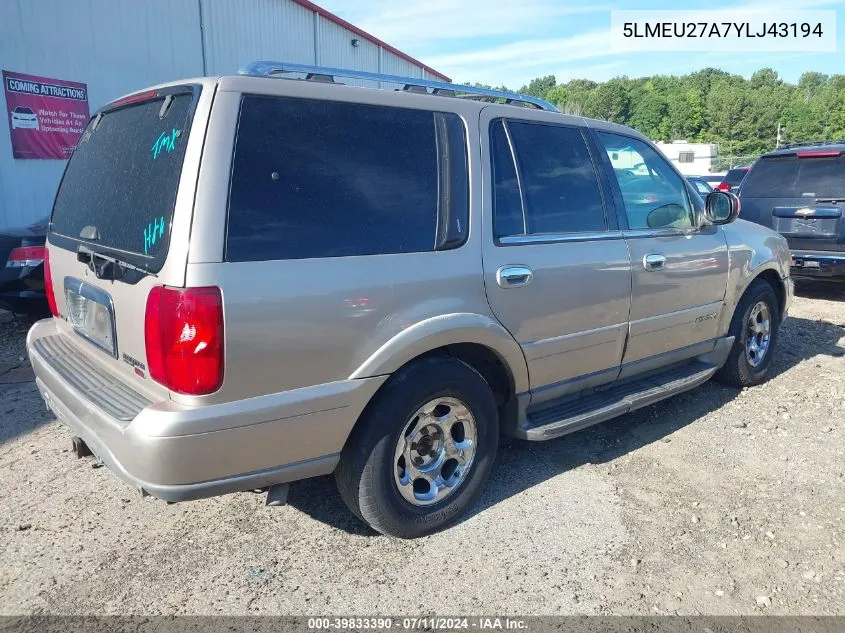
410 84
840 141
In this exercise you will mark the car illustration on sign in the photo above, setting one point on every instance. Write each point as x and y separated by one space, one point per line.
24 118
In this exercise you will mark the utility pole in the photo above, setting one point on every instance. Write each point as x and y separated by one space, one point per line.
778 140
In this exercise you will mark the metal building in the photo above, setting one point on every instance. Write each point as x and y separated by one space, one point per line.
117 46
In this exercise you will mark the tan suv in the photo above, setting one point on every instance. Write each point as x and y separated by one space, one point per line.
261 278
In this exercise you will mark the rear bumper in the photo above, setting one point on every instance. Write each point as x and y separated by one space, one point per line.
817 264
178 453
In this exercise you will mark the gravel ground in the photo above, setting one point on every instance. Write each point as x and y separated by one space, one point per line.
716 502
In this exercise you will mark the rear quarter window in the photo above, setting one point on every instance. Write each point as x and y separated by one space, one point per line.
317 178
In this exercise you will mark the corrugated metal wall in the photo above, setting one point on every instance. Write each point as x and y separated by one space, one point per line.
269 29
116 46
113 46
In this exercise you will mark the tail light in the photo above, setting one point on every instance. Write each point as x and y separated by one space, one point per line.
48 284
183 333
723 186
25 256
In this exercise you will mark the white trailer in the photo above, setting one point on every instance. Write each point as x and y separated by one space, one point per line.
692 159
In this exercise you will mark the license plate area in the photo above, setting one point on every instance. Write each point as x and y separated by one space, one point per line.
807 221
90 311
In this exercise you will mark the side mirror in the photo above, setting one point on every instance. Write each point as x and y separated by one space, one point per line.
721 207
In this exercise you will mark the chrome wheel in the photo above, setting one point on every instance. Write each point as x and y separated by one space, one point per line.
758 333
435 451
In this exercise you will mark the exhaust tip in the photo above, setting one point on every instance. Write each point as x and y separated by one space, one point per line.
80 448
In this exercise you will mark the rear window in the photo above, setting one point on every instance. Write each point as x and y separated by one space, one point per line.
734 176
791 176
328 179
122 180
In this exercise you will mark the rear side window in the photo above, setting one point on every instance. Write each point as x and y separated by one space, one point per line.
328 179
559 184
796 176
122 180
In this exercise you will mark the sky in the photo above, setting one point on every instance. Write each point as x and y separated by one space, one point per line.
510 42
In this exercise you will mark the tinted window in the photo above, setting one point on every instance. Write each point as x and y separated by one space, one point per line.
653 193
327 179
560 188
123 176
793 177
734 177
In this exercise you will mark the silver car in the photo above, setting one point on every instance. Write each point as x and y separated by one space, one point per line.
261 278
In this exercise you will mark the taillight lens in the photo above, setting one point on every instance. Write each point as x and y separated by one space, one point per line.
723 186
183 332
25 256
48 285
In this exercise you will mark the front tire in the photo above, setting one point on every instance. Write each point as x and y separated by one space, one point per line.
422 450
755 330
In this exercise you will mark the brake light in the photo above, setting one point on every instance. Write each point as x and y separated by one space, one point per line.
723 186
25 256
183 333
48 284
822 154
141 96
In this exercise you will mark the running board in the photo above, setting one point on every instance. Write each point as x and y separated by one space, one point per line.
556 418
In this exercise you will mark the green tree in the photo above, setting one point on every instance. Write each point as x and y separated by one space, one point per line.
539 87
612 101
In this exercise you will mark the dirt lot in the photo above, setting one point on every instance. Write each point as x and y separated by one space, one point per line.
715 502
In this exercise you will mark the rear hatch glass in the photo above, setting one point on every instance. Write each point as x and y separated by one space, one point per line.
734 177
800 195
119 188
796 176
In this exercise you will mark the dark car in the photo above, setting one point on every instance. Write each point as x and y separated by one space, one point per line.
700 185
22 269
732 179
800 192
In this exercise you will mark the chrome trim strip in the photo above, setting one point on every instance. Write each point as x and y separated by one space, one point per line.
818 257
516 172
666 232
554 238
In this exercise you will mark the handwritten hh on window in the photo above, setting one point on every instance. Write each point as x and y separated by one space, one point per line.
153 233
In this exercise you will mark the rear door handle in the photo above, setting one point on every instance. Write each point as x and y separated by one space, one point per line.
654 261
514 276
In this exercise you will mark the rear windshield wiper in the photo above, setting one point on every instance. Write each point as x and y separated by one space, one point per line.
106 267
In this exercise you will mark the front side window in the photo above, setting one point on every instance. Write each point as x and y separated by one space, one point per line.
552 188
330 179
653 193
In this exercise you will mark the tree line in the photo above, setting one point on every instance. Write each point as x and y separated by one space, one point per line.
710 106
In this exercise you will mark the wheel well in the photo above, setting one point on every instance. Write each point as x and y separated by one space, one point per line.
773 279
487 363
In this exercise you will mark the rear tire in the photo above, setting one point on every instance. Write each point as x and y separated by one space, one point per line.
428 413
754 327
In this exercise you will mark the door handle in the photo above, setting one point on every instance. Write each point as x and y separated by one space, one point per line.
514 276
654 261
